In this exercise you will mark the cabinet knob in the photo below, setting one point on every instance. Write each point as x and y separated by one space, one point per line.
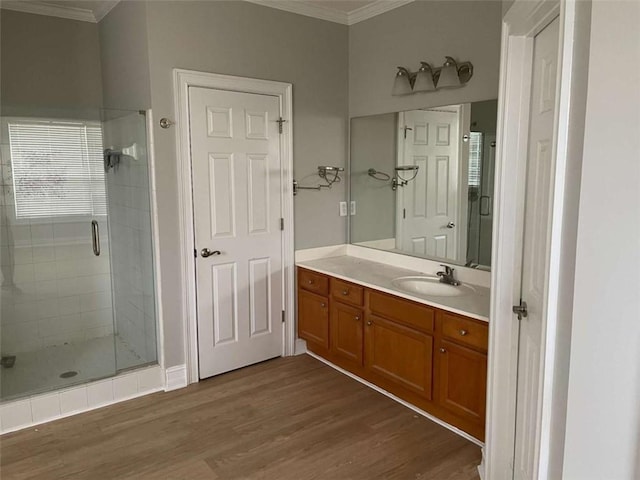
463 332
345 292
310 282
443 350
323 305
369 323
357 318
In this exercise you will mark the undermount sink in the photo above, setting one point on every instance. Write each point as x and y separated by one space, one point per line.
431 286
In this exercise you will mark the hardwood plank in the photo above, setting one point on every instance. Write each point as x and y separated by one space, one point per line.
289 418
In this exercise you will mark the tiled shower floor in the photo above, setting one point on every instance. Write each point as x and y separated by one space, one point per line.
39 371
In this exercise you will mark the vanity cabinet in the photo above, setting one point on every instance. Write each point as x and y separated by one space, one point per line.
429 357
346 332
313 318
462 380
401 355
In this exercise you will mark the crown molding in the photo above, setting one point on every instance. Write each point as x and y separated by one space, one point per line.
324 13
103 8
306 9
51 10
94 15
374 9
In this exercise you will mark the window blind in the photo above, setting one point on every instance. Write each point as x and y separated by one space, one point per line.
475 158
57 168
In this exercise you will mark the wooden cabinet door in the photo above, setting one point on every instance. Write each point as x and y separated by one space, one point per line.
313 318
399 354
462 380
346 332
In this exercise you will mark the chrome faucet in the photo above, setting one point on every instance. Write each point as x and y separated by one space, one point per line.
447 276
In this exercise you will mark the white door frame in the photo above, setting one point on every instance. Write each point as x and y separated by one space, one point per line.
524 20
182 80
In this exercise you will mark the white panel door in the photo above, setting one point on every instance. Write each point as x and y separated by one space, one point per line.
536 249
429 203
236 195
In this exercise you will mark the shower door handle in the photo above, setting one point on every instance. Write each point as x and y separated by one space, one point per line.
95 237
485 205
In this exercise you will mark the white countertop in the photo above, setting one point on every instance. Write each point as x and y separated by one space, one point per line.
379 276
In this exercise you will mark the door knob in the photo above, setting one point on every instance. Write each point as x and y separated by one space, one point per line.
443 350
451 225
369 323
205 252
357 318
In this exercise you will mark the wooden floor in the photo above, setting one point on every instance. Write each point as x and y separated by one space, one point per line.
291 418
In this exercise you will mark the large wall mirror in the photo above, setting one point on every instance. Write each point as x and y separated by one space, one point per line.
422 182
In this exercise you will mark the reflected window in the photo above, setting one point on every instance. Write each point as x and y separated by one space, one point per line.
475 159
57 168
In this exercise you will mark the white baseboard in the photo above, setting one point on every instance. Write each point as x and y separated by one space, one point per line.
481 466
399 400
46 407
175 378
301 347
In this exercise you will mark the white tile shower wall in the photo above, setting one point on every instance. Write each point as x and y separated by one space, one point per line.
54 289
130 223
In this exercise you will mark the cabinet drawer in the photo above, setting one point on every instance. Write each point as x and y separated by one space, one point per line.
347 292
465 331
314 282
401 310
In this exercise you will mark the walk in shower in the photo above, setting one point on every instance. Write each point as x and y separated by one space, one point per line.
77 268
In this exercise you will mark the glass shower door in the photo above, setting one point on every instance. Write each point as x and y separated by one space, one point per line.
56 323
129 205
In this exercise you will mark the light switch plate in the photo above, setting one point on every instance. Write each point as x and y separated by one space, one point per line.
353 208
343 209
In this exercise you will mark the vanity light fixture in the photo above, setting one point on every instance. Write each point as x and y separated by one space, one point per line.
402 85
427 79
399 180
424 79
453 74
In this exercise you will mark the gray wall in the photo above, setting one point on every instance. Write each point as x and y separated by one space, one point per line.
484 117
423 30
373 145
125 57
603 419
48 63
240 38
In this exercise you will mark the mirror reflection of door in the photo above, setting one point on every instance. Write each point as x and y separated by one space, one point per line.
443 213
430 205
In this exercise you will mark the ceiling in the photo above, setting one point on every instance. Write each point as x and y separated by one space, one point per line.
346 12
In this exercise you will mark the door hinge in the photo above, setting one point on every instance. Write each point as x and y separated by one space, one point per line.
282 316
404 213
280 122
521 310
282 224
195 253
